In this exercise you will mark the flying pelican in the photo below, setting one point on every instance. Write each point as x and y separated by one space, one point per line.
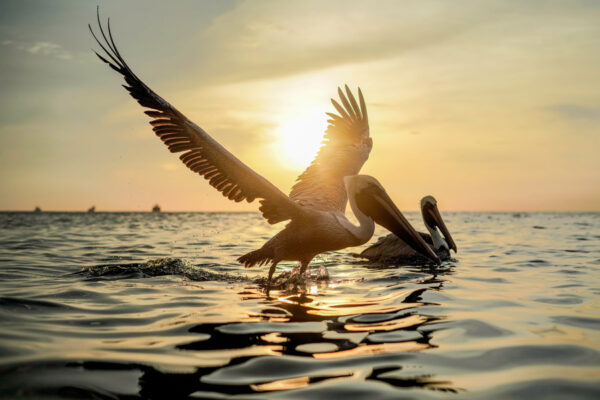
317 202
392 248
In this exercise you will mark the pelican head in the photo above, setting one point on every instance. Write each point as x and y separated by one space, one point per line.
433 221
372 200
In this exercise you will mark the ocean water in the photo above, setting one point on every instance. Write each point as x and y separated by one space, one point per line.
147 305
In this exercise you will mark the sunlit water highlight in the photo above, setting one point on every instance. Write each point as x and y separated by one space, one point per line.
88 310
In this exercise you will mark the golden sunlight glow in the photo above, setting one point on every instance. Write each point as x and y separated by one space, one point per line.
298 138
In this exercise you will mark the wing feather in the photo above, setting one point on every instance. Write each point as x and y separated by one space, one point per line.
201 153
345 148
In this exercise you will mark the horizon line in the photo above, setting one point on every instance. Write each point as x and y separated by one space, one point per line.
258 212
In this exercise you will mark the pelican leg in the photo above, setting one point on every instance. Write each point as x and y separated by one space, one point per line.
303 266
271 271
295 272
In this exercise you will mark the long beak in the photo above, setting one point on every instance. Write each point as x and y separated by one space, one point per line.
435 214
385 213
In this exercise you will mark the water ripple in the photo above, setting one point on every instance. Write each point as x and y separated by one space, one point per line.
141 305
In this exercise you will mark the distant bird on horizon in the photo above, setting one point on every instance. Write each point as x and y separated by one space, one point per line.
317 202
393 249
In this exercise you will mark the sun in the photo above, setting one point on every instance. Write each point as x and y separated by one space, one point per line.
298 138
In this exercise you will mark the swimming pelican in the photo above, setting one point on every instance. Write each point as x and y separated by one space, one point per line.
317 202
392 248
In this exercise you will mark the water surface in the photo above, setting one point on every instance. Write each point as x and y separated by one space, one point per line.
146 305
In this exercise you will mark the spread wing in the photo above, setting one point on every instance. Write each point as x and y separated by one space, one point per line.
201 153
346 147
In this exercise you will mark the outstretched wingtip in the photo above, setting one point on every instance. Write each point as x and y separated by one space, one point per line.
351 112
100 57
98 13
356 109
340 93
363 107
340 109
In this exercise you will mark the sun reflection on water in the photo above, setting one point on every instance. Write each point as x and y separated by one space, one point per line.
506 315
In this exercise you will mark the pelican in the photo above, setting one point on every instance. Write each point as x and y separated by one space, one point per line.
317 202
392 248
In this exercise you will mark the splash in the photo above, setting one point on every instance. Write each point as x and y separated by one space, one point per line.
159 267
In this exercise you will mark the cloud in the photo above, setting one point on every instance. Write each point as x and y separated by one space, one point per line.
576 112
450 86
276 39
40 48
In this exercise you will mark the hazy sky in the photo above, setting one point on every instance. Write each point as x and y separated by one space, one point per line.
487 105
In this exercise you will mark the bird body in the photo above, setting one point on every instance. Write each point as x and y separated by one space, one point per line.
317 202
302 239
391 248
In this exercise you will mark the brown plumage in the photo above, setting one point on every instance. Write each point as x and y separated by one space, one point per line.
317 201
392 249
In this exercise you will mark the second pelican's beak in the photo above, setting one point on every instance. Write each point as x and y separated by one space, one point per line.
375 202
432 217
